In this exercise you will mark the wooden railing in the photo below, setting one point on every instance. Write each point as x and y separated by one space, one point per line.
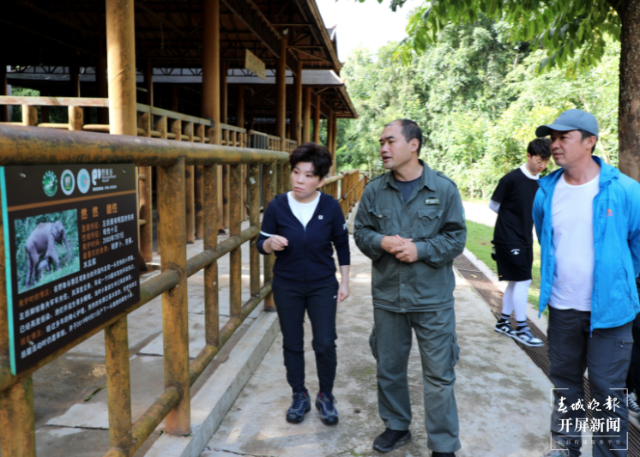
34 146
347 188
159 123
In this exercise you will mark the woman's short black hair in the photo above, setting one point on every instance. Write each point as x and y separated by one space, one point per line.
315 154
540 147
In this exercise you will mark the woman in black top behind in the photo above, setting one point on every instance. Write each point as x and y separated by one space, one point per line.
301 226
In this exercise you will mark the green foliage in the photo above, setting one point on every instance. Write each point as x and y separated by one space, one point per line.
572 32
24 227
478 98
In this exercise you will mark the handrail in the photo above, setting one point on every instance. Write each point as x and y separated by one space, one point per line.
39 146
350 190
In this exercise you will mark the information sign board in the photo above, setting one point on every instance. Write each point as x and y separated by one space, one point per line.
71 253
254 64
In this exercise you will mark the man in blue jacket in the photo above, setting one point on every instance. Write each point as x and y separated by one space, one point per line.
587 217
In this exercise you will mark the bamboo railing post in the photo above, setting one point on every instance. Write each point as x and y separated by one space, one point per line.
161 126
210 242
235 257
29 115
17 420
17 429
200 133
254 221
269 180
146 212
76 120
190 191
175 319
116 340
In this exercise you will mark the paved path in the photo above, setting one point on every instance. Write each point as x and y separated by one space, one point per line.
480 213
503 398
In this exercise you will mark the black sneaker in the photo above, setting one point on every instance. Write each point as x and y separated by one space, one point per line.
391 439
505 328
634 409
525 337
299 407
326 405
443 454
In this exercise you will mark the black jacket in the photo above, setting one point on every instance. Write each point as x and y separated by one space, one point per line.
308 259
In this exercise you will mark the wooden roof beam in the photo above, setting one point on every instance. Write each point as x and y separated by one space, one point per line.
255 21
167 23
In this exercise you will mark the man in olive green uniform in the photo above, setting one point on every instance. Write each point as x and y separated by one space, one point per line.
410 222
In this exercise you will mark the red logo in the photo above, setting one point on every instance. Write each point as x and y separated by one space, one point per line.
609 213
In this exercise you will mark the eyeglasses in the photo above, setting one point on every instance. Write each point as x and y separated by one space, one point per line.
539 161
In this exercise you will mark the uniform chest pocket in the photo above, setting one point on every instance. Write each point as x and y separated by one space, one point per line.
383 219
428 223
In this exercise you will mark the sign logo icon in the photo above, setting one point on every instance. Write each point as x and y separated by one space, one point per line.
67 182
84 181
96 174
50 183
515 251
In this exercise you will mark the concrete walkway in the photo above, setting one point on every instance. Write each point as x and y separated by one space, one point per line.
479 213
503 398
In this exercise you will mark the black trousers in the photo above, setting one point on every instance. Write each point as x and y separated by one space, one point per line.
606 354
320 303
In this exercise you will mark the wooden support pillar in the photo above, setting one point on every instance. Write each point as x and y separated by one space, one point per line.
243 143
240 107
296 118
145 181
224 105
281 92
175 317
4 109
74 78
101 83
121 57
316 121
306 121
334 142
329 131
224 95
211 83
148 81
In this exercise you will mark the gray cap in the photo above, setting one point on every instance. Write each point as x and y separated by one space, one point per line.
572 119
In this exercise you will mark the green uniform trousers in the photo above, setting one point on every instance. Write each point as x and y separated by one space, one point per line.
439 352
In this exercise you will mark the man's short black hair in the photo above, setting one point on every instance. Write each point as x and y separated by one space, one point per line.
315 154
410 131
540 147
586 135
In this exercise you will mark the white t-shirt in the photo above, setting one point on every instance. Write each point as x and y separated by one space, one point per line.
572 220
303 211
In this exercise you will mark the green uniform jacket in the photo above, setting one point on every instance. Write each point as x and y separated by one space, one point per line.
434 219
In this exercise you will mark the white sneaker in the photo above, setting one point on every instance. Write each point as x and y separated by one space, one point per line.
560 451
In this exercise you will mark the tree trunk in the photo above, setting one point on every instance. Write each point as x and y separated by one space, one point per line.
629 110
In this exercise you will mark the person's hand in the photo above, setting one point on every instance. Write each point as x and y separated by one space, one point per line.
343 291
406 251
390 242
277 242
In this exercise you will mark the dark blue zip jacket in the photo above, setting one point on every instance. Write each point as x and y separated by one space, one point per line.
308 259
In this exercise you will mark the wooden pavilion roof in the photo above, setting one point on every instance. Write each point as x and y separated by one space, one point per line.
169 34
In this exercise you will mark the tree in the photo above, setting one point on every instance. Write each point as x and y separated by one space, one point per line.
566 29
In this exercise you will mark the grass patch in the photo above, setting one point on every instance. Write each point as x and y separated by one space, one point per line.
479 238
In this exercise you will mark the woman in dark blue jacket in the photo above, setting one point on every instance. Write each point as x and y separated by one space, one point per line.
301 226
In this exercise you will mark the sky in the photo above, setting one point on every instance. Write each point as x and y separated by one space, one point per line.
370 23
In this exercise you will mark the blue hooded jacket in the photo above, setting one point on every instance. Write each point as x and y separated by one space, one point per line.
616 236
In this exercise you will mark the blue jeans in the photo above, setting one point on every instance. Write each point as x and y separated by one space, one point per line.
320 303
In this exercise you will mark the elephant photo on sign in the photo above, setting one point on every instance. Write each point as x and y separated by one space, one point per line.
47 248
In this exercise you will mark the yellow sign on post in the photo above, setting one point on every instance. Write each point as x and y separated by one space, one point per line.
254 64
